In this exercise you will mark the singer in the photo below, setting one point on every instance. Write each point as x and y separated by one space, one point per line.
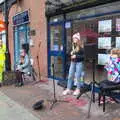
76 66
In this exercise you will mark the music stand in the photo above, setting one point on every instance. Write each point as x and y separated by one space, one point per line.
54 100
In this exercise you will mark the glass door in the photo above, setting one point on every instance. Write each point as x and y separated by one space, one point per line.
20 37
56 50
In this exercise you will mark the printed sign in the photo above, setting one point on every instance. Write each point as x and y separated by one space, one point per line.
117 24
105 26
68 25
104 43
21 18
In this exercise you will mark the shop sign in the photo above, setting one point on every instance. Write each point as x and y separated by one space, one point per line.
68 25
21 18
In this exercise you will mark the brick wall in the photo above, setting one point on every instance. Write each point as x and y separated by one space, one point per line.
38 23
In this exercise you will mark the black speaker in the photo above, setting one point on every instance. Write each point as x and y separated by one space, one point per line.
25 46
90 51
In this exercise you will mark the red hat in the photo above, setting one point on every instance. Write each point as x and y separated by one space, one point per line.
77 36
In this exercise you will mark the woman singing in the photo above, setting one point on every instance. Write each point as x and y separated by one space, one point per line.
76 66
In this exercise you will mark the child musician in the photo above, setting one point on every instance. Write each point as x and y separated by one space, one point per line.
113 70
113 66
76 66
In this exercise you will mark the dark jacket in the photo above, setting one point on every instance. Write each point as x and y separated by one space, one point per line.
79 56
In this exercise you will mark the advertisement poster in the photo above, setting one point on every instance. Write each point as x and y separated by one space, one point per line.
103 59
105 26
104 43
117 45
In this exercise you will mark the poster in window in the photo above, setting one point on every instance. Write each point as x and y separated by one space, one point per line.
103 59
105 26
117 45
118 24
104 43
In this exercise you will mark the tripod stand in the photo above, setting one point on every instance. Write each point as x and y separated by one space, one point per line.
54 101
92 98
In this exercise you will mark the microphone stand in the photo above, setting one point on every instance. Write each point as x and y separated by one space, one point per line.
92 98
54 101
90 87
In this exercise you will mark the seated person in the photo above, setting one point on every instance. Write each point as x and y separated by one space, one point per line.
113 66
22 67
113 70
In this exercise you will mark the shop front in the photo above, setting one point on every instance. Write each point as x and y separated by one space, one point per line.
99 25
21 33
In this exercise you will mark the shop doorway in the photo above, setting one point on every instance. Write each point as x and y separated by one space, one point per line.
21 37
56 50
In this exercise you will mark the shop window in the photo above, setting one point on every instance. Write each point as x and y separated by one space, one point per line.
56 38
58 66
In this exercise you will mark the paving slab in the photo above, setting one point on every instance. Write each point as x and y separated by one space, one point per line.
11 110
74 109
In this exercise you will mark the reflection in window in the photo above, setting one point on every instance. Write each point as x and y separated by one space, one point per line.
58 66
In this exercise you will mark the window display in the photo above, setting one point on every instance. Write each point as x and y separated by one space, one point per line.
105 26
103 59
117 45
104 43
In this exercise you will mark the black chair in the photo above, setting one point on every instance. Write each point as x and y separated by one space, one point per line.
111 89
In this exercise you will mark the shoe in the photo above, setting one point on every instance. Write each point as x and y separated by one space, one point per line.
76 92
16 84
66 92
20 84
111 100
106 101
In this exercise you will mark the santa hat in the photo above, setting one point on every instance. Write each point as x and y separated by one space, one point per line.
77 36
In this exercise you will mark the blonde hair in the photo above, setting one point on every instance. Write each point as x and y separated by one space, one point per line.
115 51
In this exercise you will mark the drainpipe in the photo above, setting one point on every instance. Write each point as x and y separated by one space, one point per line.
8 62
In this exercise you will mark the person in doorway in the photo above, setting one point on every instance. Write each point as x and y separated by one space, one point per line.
2 60
76 66
23 67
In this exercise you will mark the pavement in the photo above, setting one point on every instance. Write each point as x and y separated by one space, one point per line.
16 104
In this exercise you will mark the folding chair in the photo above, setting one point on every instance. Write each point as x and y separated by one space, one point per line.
111 89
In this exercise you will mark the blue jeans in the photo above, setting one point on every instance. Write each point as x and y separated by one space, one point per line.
75 70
